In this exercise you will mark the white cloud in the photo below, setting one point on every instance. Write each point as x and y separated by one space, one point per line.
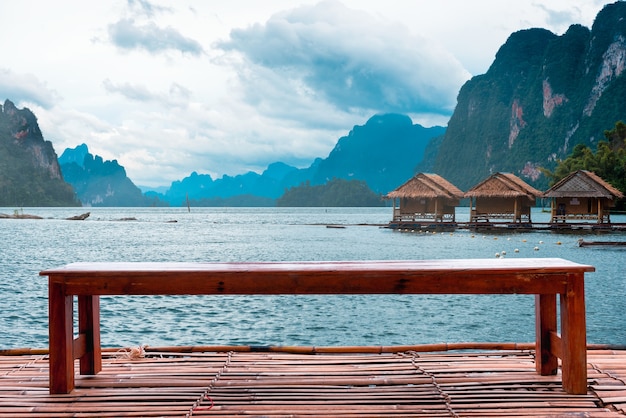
348 58
26 88
176 96
128 34
146 8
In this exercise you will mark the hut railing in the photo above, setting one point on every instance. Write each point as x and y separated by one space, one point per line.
604 217
423 216
485 217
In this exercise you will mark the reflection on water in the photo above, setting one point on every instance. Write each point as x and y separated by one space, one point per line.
287 234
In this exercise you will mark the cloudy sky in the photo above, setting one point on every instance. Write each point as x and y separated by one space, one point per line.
226 87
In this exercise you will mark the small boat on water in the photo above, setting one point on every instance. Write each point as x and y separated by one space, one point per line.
583 243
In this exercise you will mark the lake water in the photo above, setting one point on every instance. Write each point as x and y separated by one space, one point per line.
287 234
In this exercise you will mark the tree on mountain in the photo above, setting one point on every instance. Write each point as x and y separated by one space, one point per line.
608 161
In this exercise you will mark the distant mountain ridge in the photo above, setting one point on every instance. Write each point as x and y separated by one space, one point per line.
368 153
383 153
542 95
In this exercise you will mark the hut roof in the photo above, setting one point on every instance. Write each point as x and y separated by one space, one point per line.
503 185
424 185
583 183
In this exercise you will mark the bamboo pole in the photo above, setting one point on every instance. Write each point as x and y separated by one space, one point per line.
422 348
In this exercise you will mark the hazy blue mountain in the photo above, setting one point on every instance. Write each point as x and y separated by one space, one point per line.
201 188
29 171
383 153
542 95
98 182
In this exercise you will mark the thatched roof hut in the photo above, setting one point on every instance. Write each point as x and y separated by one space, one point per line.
502 196
425 197
582 195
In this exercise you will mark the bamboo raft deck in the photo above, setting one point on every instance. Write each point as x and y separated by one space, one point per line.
315 382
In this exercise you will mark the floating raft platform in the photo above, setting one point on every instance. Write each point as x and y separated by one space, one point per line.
315 382
583 243
506 226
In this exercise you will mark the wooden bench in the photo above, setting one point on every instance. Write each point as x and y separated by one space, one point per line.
544 277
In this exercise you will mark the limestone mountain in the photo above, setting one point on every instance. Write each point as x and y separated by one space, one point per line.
29 171
383 153
542 95
98 182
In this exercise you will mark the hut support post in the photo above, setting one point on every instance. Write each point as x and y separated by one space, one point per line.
396 209
600 213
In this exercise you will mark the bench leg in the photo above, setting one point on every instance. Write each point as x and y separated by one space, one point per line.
89 329
61 339
574 336
546 361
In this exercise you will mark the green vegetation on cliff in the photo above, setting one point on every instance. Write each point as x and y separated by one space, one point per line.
29 171
543 95
608 161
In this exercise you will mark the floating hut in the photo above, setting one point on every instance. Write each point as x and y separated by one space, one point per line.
425 197
502 196
582 195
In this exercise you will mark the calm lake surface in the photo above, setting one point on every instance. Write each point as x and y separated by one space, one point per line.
288 234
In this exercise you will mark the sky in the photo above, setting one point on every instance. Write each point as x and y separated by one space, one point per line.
167 88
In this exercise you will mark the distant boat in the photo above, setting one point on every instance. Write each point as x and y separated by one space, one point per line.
583 243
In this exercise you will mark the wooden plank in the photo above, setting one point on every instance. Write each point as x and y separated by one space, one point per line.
363 277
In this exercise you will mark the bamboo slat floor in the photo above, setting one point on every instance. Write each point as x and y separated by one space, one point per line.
273 384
